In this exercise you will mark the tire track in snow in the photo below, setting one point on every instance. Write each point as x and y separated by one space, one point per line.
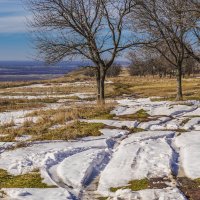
91 186
175 156
90 191
52 162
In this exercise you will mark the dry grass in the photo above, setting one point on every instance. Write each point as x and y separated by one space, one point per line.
76 112
9 124
4 85
56 90
74 76
71 132
42 129
124 84
149 86
24 104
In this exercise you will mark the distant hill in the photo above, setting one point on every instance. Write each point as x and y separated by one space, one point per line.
32 67
34 70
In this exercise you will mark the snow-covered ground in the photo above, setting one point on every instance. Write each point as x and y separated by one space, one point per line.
139 156
164 194
88 168
189 148
37 194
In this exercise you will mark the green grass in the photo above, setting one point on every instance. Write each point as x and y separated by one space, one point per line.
141 116
102 198
134 185
31 180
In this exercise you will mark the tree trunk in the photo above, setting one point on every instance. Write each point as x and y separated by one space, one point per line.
102 89
100 78
98 85
179 96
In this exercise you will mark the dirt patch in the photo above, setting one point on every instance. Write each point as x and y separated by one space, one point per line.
190 188
158 183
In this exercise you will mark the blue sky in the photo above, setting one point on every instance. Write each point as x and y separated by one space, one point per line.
15 42
15 39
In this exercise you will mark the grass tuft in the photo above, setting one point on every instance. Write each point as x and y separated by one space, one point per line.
71 131
31 180
141 116
134 185
102 198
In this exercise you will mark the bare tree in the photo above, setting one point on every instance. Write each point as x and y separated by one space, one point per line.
168 24
97 30
142 62
147 62
113 71
193 11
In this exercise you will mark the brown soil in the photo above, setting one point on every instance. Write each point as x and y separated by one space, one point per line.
158 183
190 188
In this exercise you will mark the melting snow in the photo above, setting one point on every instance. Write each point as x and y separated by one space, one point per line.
114 158
189 144
164 194
142 155
38 194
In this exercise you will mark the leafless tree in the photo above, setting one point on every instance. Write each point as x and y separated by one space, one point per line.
97 30
168 24
193 11
142 62
145 62
113 71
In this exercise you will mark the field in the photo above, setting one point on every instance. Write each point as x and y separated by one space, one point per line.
142 144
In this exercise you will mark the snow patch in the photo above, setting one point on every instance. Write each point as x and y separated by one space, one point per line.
24 160
189 144
78 170
114 132
161 194
38 194
141 155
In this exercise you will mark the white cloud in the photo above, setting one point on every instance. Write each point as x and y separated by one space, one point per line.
12 16
13 24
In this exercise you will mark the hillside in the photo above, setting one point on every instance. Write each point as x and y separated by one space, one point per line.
57 144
